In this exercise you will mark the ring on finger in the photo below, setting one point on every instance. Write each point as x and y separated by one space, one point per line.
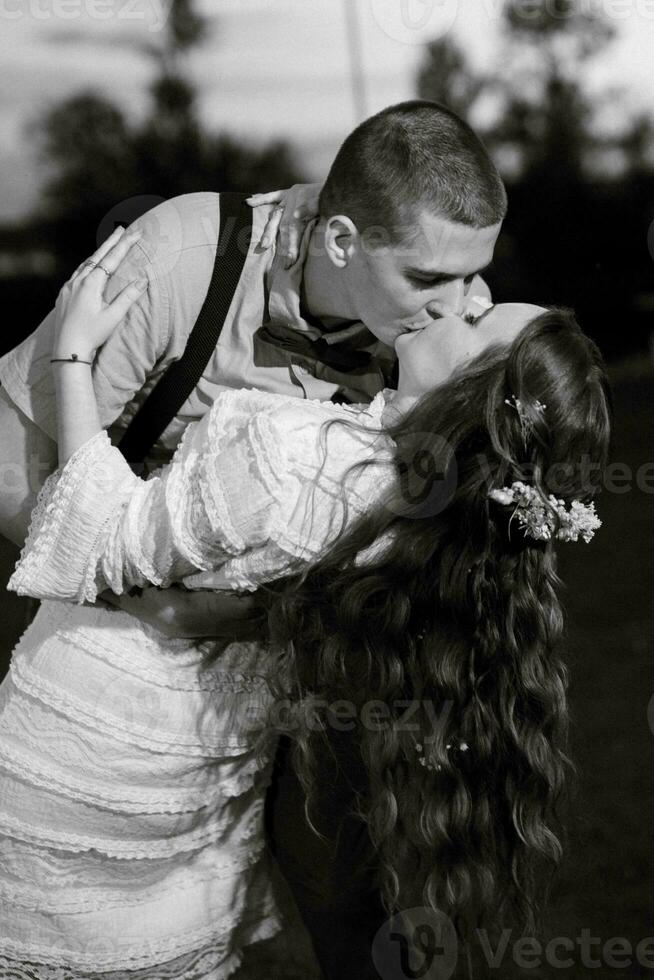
89 262
102 269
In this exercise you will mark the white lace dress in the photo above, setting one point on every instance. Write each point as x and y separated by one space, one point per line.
131 797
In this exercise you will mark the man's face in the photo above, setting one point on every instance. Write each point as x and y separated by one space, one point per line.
406 287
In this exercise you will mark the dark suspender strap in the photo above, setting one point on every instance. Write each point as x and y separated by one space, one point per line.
174 387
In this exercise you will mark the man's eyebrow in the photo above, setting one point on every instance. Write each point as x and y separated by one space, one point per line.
429 273
444 276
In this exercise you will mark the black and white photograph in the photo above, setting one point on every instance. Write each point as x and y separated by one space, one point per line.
326 489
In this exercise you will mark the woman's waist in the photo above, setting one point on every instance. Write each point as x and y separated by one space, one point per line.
123 640
115 680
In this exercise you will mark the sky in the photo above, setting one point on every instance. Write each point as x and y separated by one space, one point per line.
272 68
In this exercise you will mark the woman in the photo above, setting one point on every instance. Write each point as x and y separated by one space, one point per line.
133 767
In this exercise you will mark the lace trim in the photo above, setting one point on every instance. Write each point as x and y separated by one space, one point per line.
181 843
166 675
32 575
30 683
149 571
47 868
221 426
57 747
116 637
178 489
47 964
306 483
127 799
68 899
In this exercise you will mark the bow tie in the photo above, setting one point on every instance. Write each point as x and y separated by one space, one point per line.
359 375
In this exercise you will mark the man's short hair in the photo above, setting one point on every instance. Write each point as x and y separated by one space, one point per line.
410 157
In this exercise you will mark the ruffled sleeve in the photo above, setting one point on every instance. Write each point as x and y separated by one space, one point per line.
98 526
257 488
74 505
331 464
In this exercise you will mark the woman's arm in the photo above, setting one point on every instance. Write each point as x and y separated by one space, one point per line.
83 322
98 525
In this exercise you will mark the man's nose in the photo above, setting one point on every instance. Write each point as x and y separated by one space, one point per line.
450 300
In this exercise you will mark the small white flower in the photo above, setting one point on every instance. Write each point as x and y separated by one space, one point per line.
501 496
541 520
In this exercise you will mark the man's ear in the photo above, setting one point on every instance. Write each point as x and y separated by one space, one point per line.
341 239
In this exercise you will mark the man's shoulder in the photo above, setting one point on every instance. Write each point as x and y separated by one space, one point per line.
180 223
189 223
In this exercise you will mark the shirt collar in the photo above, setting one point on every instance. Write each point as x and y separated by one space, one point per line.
284 306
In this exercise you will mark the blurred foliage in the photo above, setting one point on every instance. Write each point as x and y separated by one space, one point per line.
581 202
577 229
445 76
98 159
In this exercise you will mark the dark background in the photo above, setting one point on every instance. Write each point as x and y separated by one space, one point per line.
579 232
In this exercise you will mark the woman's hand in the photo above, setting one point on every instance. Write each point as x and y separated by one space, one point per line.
295 209
83 320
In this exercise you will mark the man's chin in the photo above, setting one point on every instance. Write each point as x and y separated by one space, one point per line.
388 335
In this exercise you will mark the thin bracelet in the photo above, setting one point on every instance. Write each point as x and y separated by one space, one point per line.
73 359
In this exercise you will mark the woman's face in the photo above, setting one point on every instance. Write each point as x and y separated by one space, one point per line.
430 356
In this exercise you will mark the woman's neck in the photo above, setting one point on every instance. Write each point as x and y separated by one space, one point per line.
398 404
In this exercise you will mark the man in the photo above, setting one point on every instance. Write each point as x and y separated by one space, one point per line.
408 218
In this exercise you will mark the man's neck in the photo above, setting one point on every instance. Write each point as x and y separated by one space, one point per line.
323 285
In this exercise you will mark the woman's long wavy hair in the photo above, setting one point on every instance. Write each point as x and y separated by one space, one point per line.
460 612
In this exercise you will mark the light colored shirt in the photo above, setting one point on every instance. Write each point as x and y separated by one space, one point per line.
176 253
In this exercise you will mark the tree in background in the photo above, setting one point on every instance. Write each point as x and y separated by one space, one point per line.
445 76
98 160
580 202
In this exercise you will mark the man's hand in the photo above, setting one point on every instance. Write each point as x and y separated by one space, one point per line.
295 209
180 614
